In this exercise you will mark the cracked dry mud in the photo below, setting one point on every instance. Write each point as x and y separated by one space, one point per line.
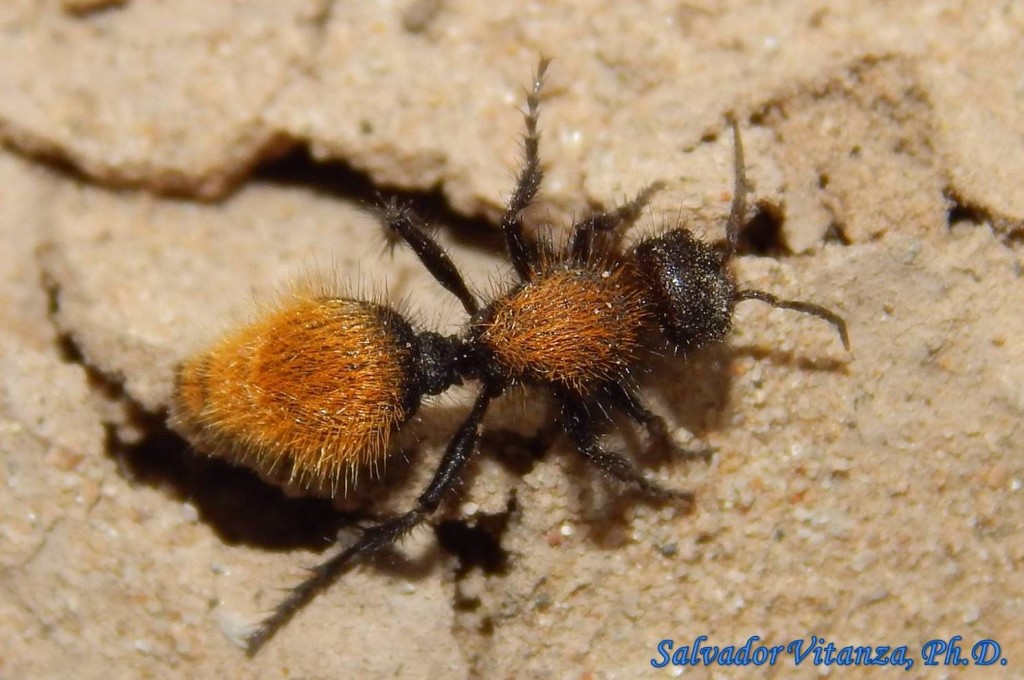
165 164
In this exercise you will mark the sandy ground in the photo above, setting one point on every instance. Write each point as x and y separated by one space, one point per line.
165 163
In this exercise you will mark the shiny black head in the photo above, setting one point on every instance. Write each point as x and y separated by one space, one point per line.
690 287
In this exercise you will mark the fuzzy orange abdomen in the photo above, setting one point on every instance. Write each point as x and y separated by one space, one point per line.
572 327
312 389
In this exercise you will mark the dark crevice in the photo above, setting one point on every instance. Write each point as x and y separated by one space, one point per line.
338 180
288 164
961 210
69 353
67 348
762 234
166 183
110 387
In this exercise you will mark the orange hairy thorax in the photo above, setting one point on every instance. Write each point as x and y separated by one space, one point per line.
575 327
312 389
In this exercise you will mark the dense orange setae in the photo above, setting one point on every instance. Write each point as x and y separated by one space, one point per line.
313 388
572 326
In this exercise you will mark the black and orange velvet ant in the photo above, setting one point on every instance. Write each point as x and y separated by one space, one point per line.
318 383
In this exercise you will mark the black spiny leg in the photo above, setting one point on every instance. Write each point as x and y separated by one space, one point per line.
458 453
633 405
581 429
583 232
403 221
523 253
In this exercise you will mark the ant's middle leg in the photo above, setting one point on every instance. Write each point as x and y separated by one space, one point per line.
634 406
581 429
583 232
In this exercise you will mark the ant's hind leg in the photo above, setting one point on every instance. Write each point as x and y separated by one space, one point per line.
523 253
583 231
402 220
580 428
458 453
